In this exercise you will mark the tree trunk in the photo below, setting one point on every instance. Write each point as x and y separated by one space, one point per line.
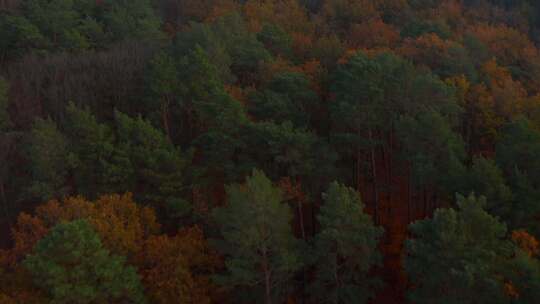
374 175
409 200
165 117
4 202
357 169
336 280
267 283
301 219
390 164
425 202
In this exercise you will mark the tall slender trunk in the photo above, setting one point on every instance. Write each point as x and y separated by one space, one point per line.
301 219
4 202
336 281
409 200
374 175
267 283
390 164
357 169
303 231
165 117
425 201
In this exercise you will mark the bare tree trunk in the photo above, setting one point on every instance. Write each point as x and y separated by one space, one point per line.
301 219
390 164
267 283
425 201
409 201
165 117
374 175
4 202
358 169
336 280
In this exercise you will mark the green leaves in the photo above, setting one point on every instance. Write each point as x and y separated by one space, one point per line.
72 266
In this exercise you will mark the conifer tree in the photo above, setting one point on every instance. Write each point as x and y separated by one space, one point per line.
72 266
345 249
261 253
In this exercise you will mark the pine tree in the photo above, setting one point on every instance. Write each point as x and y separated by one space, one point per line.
345 249
261 253
455 256
48 153
71 264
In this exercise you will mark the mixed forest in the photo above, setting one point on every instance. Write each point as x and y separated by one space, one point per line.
270 151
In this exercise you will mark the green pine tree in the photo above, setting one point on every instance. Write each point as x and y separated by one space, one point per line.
455 256
48 152
261 253
345 249
71 265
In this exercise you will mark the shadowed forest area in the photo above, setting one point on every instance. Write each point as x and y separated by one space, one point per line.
270 151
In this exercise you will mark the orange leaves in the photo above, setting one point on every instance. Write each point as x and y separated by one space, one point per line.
509 94
527 242
69 209
27 232
510 290
222 8
176 269
291 190
120 222
507 44
427 49
373 33
165 271
301 44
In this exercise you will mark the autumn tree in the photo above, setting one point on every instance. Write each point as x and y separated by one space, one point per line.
175 267
345 249
72 265
261 253
178 268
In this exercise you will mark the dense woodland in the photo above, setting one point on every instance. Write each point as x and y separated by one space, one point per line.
270 151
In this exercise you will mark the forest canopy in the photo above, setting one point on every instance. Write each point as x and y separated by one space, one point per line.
270 151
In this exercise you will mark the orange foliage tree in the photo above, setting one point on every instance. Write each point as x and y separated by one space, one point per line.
181 264
176 269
